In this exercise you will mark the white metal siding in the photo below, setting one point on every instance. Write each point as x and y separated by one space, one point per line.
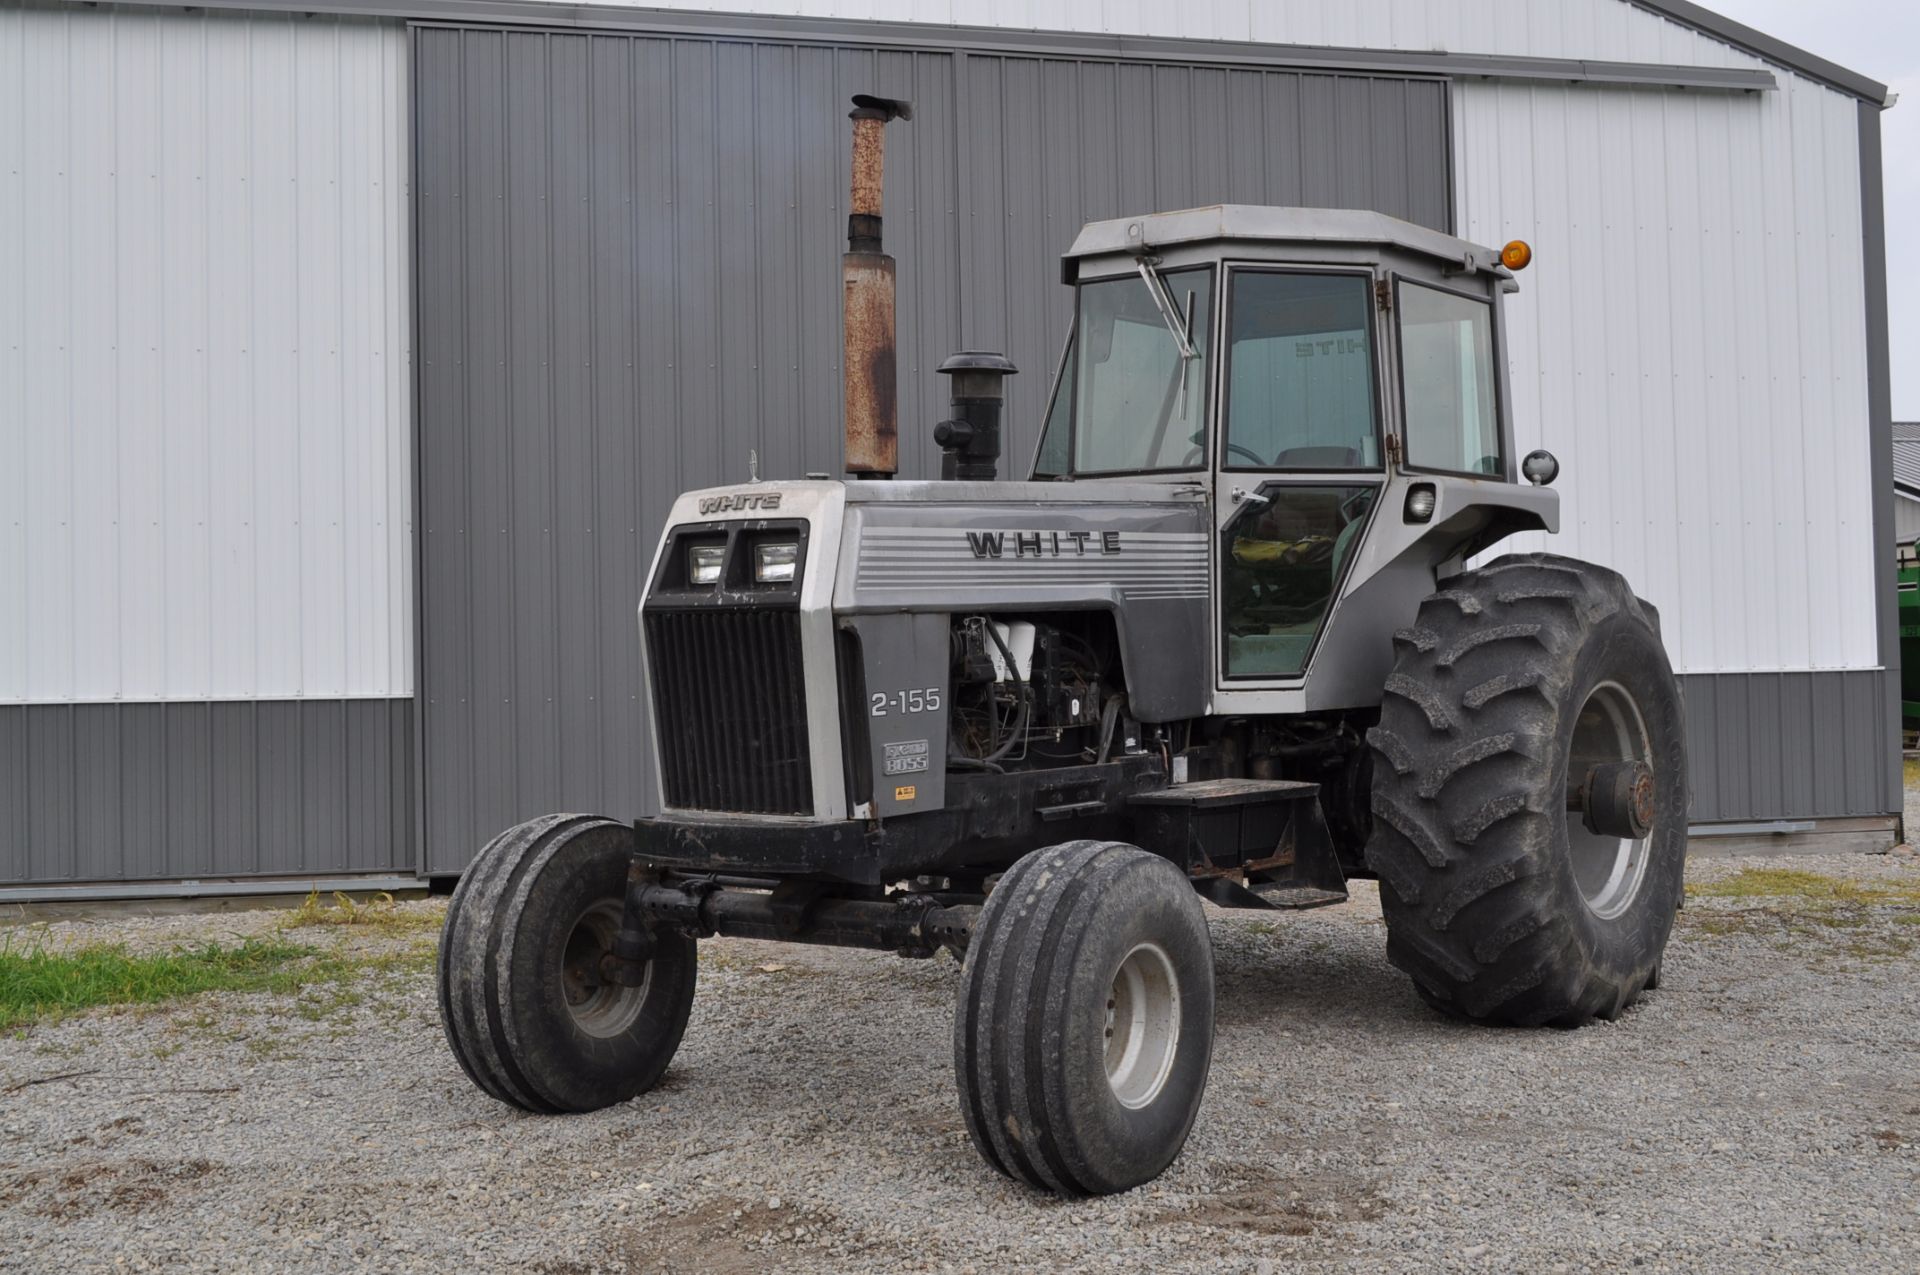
1906 519
1691 343
1606 30
204 454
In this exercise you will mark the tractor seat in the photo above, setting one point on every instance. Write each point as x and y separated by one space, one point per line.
1318 458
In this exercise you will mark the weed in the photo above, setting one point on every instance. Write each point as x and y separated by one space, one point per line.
1820 915
325 1001
1720 924
1790 883
381 911
417 958
1882 948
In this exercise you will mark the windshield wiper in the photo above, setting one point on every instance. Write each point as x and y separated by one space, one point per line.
1180 326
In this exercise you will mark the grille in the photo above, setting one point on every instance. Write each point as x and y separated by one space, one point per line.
729 699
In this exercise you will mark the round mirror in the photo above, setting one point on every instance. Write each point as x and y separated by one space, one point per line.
1540 468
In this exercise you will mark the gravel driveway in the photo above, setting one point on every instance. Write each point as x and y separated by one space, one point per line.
1761 1110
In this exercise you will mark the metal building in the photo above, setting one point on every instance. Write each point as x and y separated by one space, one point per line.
351 351
1906 482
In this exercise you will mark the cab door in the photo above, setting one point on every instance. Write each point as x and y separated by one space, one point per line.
1300 464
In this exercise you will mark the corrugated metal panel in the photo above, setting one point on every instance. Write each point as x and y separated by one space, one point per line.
628 278
1691 343
204 365
1789 745
1046 146
1906 453
1906 519
1596 29
119 792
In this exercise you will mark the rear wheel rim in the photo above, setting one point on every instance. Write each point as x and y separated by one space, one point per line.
597 1006
1609 870
1143 1025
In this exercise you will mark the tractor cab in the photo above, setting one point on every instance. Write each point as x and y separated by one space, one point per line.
1336 381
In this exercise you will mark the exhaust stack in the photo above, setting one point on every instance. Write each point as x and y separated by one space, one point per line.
873 445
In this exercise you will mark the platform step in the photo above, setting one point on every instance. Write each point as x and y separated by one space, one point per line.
1298 897
1213 794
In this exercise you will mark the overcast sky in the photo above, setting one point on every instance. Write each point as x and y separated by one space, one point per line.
1881 39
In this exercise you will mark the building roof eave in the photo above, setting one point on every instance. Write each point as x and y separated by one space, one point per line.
1769 48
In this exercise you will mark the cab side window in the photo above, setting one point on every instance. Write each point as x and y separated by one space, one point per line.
1446 360
1053 459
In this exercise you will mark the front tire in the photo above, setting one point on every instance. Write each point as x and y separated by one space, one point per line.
523 999
1085 1021
1518 681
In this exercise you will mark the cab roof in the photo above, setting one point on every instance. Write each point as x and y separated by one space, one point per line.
1228 223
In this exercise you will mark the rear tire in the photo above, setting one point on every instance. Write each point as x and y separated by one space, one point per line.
1500 903
522 1001
1085 1022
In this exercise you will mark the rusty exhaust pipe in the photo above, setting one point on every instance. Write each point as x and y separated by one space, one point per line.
873 443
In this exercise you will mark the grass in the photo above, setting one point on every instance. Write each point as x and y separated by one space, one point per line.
380 912
37 984
1820 914
1790 883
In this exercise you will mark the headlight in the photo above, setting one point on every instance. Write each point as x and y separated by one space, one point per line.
773 564
703 563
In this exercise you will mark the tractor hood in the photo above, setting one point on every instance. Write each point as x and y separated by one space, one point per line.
1136 549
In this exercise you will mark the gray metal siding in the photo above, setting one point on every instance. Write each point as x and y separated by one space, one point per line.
1873 239
1048 145
165 791
628 254
1797 745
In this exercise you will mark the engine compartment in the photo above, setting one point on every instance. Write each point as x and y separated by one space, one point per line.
1038 692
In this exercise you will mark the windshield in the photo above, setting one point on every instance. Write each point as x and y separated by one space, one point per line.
1130 401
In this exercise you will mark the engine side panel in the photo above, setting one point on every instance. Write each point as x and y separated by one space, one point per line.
904 701
1145 563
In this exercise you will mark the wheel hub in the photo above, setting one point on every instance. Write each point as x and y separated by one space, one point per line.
1617 799
1143 1025
598 1005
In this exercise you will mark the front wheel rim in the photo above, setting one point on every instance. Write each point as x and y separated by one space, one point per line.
599 1007
1142 1026
1609 870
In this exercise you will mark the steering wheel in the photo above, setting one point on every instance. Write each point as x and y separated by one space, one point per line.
1193 457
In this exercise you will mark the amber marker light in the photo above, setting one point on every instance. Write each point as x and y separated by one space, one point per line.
1516 255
